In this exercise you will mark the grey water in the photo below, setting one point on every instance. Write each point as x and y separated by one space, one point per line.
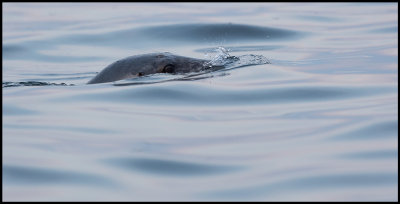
316 121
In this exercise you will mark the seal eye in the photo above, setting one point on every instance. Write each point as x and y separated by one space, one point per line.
169 68
139 74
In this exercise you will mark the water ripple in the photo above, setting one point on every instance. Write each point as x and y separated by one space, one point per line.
174 93
169 167
379 130
37 176
311 183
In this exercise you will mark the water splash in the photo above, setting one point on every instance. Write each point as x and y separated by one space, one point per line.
250 59
223 58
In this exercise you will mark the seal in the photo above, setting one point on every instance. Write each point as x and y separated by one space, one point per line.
141 65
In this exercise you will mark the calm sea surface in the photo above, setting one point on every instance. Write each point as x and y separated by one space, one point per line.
319 123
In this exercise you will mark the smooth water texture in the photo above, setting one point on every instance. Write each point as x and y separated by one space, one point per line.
317 123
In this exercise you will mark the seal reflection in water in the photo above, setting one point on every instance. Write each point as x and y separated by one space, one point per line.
140 65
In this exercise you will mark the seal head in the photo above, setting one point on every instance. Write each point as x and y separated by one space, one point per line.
141 65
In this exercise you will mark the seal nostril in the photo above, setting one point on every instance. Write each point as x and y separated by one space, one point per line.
140 74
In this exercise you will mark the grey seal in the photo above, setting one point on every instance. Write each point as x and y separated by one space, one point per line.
140 65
